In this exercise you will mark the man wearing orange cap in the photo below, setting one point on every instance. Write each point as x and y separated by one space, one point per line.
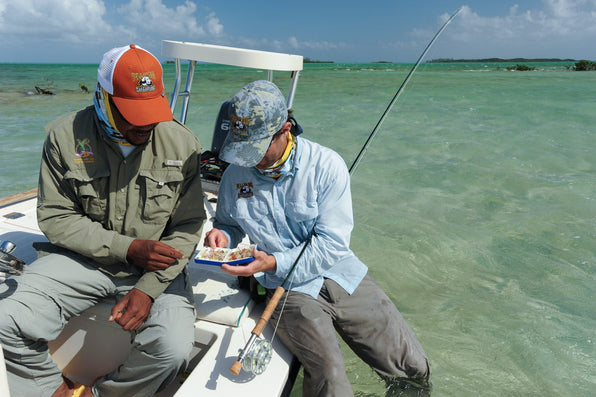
117 202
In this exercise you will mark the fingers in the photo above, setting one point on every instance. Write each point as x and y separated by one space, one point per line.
161 256
127 321
230 269
209 240
131 323
132 311
167 251
239 270
117 310
152 255
215 238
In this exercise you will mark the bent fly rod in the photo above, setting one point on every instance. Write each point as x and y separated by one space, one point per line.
398 93
261 354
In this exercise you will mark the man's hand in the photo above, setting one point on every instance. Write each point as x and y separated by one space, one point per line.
132 310
261 263
152 255
215 238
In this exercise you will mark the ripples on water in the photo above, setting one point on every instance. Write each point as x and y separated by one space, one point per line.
474 206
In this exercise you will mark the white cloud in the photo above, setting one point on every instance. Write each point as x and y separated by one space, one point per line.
96 25
557 30
293 42
213 26
80 29
152 17
52 19
283 45
298 46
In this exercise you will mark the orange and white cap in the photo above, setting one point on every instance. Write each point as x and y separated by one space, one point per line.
133 77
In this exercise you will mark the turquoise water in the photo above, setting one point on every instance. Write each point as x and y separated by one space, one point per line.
475 205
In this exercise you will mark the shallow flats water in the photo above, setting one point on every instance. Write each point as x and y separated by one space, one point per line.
475 205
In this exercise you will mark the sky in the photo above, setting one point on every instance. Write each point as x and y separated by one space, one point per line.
80 31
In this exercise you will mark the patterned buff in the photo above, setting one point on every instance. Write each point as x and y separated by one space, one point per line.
285 163
104 112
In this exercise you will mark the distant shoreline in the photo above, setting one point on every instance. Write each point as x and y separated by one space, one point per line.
450 60
499 60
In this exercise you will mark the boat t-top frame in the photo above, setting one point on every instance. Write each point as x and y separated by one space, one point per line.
207 53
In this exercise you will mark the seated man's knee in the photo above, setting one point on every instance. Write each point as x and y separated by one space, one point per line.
421 370
178 351
333 370
170 351
171 343
418 367
8 327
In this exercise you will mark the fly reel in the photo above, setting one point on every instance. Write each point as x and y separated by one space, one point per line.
259 356
9 264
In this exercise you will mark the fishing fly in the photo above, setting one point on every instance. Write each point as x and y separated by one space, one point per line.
257 352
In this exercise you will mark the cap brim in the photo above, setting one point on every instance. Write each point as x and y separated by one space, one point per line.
244 153
142 112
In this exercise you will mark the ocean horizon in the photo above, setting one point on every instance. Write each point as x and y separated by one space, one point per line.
474 206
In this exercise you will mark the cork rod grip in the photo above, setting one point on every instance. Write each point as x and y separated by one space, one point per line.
258 329
236 367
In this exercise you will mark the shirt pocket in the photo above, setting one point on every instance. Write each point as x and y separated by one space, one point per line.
91 192
302 214
160 190
247 210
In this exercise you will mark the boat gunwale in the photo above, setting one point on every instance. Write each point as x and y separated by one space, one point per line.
17 198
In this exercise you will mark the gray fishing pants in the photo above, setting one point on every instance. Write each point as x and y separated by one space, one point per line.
367 321
35 307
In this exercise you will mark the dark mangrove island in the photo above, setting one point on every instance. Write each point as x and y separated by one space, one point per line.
581 65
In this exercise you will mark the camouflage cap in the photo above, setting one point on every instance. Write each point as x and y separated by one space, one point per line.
257 112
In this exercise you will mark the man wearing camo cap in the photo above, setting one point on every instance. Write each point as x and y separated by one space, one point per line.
277 189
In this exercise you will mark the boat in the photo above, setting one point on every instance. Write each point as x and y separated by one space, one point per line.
91 346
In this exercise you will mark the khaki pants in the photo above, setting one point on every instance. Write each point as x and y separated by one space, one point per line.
35 307
367 321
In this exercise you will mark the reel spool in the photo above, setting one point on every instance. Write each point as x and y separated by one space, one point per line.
259 356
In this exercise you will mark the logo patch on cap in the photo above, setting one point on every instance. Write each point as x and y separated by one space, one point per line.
240 125
144 81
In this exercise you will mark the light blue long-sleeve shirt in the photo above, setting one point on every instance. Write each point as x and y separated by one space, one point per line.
278 215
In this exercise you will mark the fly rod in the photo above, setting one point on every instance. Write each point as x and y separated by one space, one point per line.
279 291
398 93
